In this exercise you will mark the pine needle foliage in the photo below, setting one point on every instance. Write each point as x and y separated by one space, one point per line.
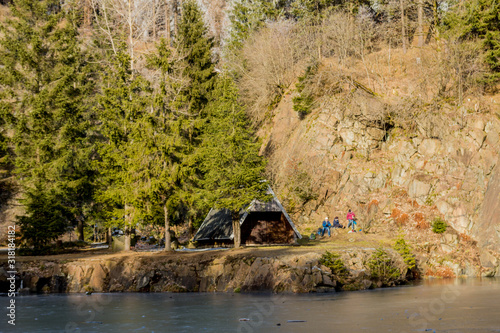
229 155
196 51
46 80
439 226
382 267
122 104
478 21
405 251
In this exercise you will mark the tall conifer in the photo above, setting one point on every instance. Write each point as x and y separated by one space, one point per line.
229 160
196 49
123 102
45 79
478 20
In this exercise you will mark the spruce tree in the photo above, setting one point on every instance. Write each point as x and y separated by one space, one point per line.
228 155
196 49
122 104
478 20
6 186
45 78
169 144
248 16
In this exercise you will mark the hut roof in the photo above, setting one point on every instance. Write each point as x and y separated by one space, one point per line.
218 223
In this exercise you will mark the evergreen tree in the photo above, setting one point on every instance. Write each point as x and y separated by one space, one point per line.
45 219
196 49
170 144
123 102
45 78
478 20
6 186
312 9
248 16
228 155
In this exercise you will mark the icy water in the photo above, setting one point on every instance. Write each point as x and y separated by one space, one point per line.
470 305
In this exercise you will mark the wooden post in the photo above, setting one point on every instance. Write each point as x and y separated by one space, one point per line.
236 229
168 245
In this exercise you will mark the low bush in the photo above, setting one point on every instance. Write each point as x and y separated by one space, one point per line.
439 226
404 250
382 268
336 265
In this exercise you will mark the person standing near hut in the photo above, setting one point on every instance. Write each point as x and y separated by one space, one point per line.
350 218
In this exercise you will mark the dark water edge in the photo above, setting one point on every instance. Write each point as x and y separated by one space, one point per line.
438 305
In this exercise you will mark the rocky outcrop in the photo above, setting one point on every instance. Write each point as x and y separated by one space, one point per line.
488 227
354 156
288 273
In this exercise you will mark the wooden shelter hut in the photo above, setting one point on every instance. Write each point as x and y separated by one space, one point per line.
261 223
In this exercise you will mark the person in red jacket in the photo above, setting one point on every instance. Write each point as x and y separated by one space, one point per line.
350 218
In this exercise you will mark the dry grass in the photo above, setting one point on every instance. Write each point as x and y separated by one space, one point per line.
443 272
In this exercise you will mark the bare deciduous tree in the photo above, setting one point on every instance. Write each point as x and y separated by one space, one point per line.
127 21
268 64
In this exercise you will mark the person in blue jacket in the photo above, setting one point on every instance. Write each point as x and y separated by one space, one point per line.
326 227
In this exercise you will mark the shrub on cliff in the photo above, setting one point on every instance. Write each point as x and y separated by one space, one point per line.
336 265
439 226
303 103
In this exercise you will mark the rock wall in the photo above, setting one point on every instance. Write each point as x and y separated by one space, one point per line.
488 228
289 273
395 176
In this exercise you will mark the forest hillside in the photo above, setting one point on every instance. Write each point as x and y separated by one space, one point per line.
388 108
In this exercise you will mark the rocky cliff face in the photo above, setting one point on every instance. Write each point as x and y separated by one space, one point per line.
397 168
286 273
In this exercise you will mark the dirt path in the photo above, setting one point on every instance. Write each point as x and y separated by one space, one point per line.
339 242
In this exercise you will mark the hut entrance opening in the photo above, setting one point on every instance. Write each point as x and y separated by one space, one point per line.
266 228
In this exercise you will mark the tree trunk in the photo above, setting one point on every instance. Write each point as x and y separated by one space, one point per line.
109 238
236 229
127 239
168 245
80 230
127 229
190 227
420 30
155 13
403 28
176 18
87 13
167 21
436 19
131 35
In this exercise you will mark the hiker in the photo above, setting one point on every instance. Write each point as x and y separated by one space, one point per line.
350 218
336 223
326 226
